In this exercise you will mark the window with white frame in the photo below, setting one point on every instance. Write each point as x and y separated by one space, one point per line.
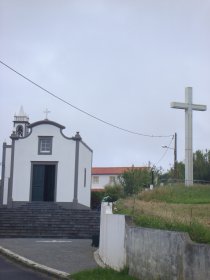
95 179
45 145
111 179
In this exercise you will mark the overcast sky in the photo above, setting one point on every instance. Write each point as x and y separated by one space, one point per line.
123 61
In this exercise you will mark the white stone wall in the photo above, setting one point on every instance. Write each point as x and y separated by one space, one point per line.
26 151
112 249
7 174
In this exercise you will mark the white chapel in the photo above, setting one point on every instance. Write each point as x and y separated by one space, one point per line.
42 164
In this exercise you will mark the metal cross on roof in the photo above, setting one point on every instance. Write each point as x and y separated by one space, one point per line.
46 112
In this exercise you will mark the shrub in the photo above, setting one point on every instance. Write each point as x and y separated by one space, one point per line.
114 191
96 198
134 180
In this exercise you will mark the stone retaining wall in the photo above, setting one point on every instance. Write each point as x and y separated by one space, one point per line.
151 254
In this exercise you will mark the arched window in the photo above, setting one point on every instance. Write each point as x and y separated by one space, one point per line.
19 131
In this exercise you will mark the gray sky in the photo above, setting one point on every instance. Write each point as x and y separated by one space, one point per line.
123 61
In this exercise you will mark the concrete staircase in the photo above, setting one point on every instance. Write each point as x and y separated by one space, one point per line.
47 219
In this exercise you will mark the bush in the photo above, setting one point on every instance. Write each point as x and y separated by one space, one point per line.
114 191
135 179
96 198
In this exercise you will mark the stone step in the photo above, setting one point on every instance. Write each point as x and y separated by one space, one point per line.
75 235
34 228
47 234
48 220
51 212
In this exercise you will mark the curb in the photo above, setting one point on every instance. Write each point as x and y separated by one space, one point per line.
98 260
36 266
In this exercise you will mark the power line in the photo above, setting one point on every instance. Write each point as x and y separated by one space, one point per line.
165 152
80 110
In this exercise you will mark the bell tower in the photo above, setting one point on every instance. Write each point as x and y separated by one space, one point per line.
21 122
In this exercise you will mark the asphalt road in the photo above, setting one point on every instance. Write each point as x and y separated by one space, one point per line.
68 255
13 271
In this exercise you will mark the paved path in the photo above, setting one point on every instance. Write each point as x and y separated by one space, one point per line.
13 271
68 255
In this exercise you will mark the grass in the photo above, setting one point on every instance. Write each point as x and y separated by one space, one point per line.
178 194
102 274
178 208
196 231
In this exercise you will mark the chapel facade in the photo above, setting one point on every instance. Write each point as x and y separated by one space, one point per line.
42 164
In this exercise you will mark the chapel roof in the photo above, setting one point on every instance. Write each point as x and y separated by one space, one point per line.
46 122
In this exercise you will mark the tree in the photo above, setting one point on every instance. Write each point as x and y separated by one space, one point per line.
201 165
180 169
201 168
135 179
114 191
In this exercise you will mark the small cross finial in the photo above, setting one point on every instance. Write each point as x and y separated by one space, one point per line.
46 112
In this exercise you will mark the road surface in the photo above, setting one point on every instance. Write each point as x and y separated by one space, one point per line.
10 270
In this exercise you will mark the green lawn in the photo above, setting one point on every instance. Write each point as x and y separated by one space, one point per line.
102 274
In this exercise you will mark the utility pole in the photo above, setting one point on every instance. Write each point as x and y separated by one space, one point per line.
175 156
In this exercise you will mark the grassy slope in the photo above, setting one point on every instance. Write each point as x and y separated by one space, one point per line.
178 194
173 208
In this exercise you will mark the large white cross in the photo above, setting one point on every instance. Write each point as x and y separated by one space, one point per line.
188 106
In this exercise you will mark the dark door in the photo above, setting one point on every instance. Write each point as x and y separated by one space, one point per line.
43 182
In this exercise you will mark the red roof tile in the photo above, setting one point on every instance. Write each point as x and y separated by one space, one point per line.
111 170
